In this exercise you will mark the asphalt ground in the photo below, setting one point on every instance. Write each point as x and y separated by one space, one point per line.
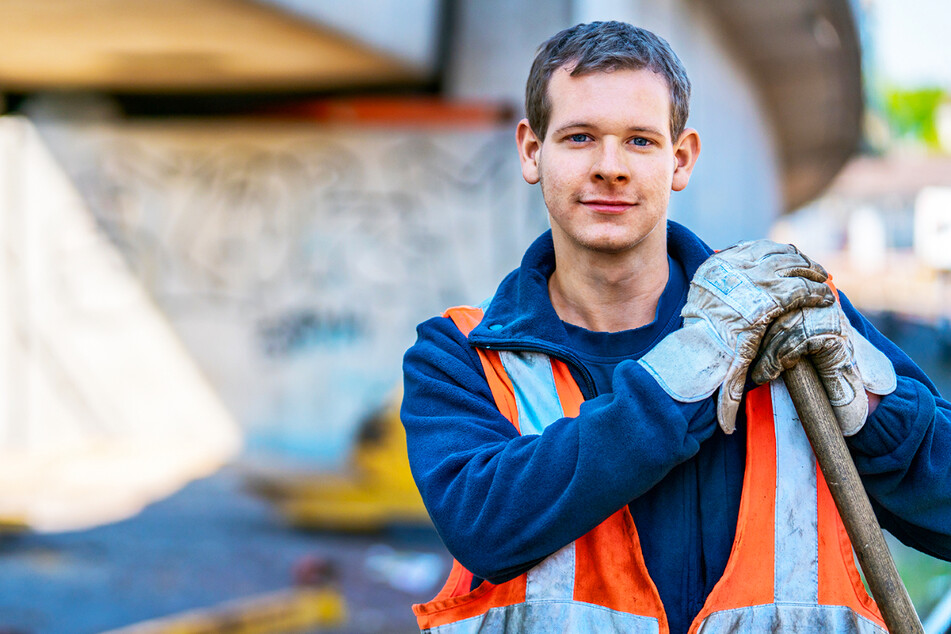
210 543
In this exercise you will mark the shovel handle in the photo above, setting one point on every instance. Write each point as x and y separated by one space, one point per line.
815 413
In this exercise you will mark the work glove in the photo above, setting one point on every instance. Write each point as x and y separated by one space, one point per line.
847 364
733 297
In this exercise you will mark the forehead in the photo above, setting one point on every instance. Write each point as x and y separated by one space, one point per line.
634 97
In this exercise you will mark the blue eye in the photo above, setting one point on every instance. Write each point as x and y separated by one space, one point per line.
578 138
640 141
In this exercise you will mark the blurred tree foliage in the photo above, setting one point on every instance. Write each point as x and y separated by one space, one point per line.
912 113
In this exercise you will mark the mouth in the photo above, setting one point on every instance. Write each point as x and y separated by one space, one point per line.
608 205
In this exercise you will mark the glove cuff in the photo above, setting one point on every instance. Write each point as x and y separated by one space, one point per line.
689 364
878 373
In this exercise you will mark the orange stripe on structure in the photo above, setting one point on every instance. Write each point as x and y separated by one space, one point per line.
749 576
839 579
425 112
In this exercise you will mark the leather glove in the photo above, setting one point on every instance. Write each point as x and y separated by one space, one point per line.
847 364
733 297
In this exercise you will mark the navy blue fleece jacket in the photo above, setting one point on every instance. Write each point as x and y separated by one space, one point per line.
502 502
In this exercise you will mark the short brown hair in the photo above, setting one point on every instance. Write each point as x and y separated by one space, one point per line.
605 47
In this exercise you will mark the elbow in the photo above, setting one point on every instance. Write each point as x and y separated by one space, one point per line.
486 556
475 555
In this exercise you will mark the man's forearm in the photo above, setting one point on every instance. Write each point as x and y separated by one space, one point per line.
502 501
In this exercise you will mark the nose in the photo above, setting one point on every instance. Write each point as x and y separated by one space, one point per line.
611 163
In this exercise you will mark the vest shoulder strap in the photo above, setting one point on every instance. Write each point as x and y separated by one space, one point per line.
466 318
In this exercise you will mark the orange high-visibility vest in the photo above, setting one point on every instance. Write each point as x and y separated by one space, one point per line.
791 567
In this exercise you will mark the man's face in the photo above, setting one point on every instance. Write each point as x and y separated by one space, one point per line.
607 163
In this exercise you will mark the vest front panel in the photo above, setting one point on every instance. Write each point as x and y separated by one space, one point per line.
791 568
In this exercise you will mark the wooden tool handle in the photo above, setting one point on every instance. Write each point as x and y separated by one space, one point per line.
815 412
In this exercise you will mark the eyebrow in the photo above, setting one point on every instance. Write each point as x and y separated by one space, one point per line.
586 126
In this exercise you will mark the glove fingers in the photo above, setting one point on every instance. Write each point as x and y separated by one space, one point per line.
770 365
784 343
731 393
726 411
848 399
801 292
758 250
766 369
785 259
813 271
841 383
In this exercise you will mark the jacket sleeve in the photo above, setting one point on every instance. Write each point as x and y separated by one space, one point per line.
903 452
501 502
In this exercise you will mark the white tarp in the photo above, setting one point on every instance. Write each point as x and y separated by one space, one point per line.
102 409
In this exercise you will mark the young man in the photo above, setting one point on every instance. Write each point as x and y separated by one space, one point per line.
564 434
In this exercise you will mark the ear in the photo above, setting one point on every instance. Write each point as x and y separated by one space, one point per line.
686 152
528 148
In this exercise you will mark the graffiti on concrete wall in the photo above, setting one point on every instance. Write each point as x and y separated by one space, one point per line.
295 261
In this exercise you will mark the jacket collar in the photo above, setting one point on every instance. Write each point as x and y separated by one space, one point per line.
520 314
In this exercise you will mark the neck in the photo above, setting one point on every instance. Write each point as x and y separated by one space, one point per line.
608 292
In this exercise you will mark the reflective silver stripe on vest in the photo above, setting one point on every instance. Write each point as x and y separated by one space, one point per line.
553 577
789 618
535 392
546 617
796 571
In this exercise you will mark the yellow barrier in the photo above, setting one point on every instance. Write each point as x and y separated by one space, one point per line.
275 613
377 492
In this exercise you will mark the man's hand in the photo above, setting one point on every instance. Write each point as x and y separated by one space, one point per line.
733 298
847 364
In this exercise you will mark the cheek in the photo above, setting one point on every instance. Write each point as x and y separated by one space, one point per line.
550 192
552 177
660 176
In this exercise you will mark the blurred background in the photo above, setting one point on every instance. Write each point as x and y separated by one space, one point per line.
221 220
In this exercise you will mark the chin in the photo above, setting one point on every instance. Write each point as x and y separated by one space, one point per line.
610 244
